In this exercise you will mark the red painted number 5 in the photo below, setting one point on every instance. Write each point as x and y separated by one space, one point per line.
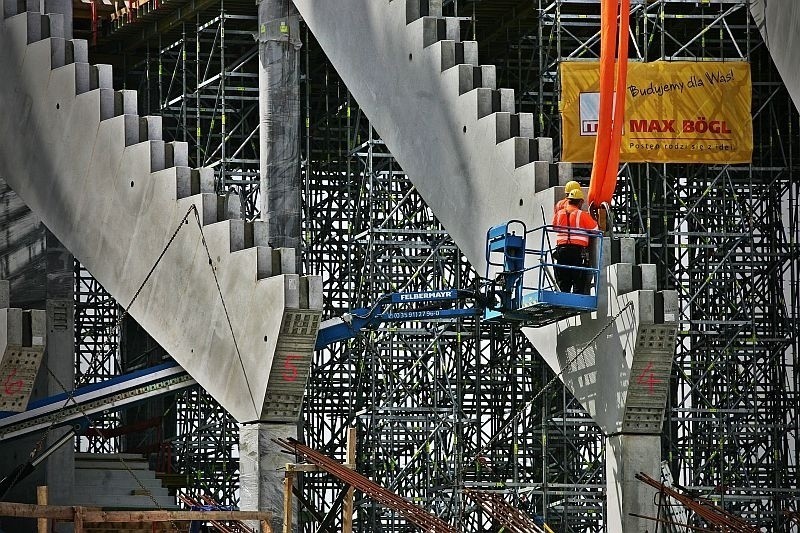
289 368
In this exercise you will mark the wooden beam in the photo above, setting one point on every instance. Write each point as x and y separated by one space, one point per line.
26 510
347 506
288 483
91 514
78 521
170 516
41 499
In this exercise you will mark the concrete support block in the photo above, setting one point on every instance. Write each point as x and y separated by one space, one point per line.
261 468
649 277
55 23
542 175
185 185
484 101
57 52
465 81
83 77
124 102
264 262
507 102
106 103
284 261
504 126
10 328
620 278
64 8
101 77
177 154
544 149
671 306
453 28
150 128
627 250
34 24
5 288
485 76
608 243
230 207
236 231
204 177
564 172
525 125
79 52
471 52
157 156
311 292
291 291
432 30
516 147
450 54
260 233
131 125
647 307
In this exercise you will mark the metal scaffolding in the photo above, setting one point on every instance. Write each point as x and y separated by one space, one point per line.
202 78
725 237
96 351
424 397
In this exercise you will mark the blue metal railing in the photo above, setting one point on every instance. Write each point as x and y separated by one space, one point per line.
527 283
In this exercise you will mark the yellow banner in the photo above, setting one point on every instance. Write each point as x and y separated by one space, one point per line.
675 112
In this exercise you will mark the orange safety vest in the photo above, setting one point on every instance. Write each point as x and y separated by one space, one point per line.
561 204
572 217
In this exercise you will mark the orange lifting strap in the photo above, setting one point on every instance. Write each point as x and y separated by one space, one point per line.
612 100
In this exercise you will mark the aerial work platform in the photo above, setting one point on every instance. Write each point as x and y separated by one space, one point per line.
522 280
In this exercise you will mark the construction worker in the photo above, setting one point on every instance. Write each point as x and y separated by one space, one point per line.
569 187
572 248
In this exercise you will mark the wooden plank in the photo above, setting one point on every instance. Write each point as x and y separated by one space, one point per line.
41 499
168 516
27 510
347 505
91 514
78 526
288 483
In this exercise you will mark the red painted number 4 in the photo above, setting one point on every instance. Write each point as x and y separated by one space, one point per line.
289 368
647 377
12 387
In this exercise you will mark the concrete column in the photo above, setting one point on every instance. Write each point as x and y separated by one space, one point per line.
60 359
279 123
626 456
261 469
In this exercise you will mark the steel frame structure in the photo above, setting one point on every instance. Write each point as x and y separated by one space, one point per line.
203 80
96 350
424 397
725 237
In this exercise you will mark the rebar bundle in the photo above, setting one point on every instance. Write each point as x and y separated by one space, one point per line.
513 519
414 514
